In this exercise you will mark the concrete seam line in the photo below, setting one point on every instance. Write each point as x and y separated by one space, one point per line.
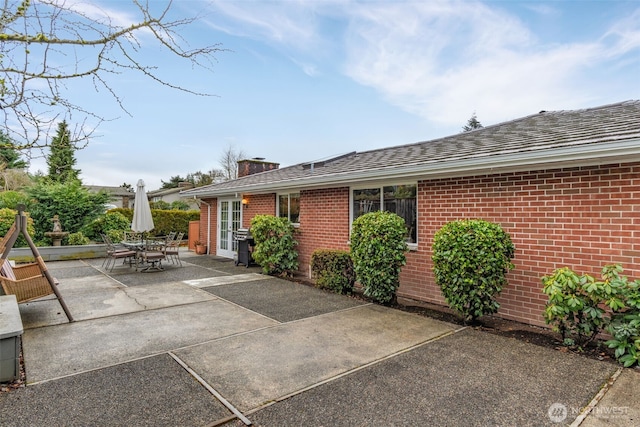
104 273
597 398
98 368
354 370
211 390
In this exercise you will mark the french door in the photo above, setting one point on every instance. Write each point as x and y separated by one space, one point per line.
229 220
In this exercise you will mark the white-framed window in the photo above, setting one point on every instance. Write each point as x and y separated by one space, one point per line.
289 207
400 199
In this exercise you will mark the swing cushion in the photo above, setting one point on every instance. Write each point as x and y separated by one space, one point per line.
26 281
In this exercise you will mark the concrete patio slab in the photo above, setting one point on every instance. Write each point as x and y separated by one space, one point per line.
259 367
469 378
66 349
225 280
152 392
100 296
336 360
171 273
620 406
283 300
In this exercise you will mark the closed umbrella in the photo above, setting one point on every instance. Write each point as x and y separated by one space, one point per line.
142 220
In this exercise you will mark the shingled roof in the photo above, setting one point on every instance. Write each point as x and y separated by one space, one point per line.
548 139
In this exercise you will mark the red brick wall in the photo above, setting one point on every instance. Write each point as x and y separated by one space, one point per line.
260 204
324 223
583 218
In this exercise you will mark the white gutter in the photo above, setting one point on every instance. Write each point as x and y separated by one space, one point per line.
586 155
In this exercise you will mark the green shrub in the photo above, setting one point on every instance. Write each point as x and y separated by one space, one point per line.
580 308
624 325
7 218
470 261
160 205
180 205
274 245
111 220
115 235
333 269
77 239
164 221
378 250
11 199
75 205
573 308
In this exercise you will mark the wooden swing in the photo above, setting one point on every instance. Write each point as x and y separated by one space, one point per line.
26 281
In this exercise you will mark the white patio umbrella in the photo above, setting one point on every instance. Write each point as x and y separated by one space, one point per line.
142 220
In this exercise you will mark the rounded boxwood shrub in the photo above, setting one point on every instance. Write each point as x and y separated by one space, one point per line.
333 269
77 239
7 218
378 250
275 246
111 220
470 261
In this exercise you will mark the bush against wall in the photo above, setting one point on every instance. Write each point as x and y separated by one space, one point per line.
470 261
378 248
274 245
581 307
333 269
77 239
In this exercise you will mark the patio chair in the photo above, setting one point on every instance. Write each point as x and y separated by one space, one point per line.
152 255
172 249
115 253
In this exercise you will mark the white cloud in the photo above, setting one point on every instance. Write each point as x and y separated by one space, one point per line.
444 61
291 23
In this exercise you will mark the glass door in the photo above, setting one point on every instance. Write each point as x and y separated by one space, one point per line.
229 220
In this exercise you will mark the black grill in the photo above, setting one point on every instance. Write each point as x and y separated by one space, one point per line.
245 246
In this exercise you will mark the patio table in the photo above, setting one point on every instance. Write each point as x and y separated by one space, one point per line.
152 258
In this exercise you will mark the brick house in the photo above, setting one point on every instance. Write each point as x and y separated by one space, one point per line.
564 184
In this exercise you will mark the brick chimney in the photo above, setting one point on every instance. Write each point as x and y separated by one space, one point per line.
255 165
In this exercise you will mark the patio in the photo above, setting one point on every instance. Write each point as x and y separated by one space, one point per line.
210 343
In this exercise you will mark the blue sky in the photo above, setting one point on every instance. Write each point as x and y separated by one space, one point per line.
305 80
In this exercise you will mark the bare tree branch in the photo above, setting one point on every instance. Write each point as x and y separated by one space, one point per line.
45 43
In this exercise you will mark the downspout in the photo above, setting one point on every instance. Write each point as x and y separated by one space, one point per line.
208 223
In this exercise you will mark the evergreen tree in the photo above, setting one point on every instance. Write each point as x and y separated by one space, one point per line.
472 124
61 158
9 156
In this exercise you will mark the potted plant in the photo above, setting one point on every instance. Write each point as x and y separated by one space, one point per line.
201 248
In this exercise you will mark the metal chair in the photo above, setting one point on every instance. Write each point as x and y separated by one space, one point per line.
152 255
133 236
114 253
172 249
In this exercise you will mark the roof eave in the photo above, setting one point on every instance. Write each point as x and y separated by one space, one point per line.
584 155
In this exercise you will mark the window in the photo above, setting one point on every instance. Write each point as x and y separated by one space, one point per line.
399 199
289 207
